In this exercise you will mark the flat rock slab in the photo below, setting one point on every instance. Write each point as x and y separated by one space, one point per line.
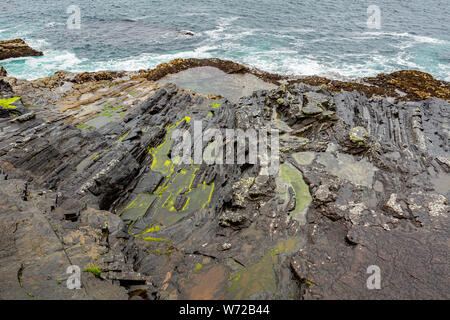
412 263
210 80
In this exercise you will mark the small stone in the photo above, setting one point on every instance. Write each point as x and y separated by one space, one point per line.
393 206
226 246
358 135
25 117
323 193
312 110
233 219
240 191
188 33
328 114
317 100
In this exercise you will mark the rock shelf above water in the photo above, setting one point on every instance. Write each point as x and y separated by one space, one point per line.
16 48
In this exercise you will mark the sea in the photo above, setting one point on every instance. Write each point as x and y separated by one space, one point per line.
337 39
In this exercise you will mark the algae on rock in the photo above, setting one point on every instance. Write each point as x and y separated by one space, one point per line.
293 189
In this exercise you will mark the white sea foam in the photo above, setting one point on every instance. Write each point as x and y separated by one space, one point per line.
445 69
39 44
143 17
288 62
292 30
224 42
145 60
217 33
54 23
192 14
291 41
416 38
284 62
38 67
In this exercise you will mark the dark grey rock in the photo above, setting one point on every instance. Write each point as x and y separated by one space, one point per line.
381 199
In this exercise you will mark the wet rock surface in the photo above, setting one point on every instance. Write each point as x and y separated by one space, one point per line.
3 72
87 179
213 81
16 48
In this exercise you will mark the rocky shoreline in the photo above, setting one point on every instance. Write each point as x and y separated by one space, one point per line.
364 180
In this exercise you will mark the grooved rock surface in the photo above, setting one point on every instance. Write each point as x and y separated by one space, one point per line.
89 179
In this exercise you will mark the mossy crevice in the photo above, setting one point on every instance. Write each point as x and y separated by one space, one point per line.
94 269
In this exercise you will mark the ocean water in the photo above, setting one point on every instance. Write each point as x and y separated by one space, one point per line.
307 37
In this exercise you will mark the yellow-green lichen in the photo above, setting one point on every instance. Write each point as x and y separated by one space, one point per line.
108 114
161 206
123 136
198 267
6 103
161 162
153 239
138 207
214 105
92 268
96 156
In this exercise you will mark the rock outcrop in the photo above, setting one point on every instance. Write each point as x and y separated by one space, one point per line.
3 72
88 179
16 48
